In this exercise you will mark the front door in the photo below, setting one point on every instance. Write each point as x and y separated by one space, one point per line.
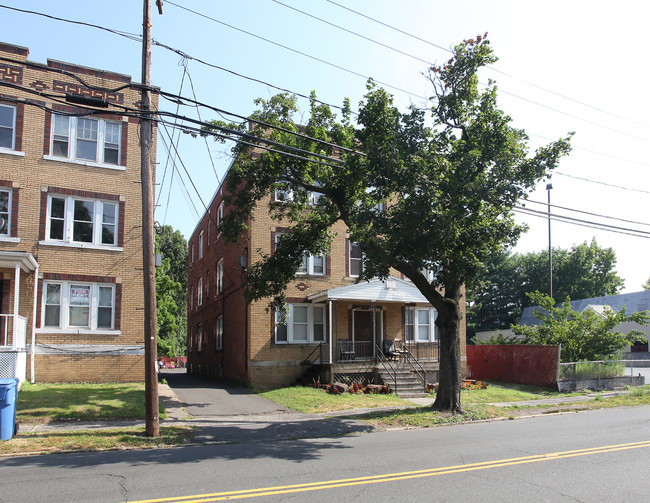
362 333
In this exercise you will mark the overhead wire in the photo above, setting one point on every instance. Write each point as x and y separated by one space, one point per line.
588 213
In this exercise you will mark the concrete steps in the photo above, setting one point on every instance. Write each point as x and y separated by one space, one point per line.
406 383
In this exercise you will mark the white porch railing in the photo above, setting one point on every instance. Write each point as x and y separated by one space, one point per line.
13 337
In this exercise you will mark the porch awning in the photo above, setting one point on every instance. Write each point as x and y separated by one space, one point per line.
9 259
391 289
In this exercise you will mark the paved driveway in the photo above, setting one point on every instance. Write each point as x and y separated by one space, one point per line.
206 398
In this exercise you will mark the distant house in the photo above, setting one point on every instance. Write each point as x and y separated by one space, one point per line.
332 320
633 303
71 289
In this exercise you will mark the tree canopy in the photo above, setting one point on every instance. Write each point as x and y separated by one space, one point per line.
499 294
584 336
426 193
171 292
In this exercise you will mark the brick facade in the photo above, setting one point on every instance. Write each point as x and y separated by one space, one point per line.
65 353
250 352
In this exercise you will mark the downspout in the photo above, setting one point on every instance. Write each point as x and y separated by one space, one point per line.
32 356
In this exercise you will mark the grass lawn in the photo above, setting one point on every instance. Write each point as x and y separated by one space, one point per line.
308 399
94 440
44 403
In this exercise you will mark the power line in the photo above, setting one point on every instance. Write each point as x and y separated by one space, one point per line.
560 95
602 183
583 223
588 213
296 51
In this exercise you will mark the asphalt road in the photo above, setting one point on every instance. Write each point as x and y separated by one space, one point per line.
592 456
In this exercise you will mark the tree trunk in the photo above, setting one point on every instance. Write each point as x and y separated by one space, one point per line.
449 375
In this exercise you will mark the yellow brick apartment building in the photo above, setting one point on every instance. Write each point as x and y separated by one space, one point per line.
71 288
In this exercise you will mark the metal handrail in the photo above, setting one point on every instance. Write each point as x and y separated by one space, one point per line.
384 361
423 375
318 348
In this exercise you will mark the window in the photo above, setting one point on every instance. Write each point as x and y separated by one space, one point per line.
219 279
311 264
192 255
79 221
191 338
191 298
218 328
283 193
199 337
207 285
305 324
356 260
84 139
5 212
199 292
76 305
200 245
219 219
420 324
7 127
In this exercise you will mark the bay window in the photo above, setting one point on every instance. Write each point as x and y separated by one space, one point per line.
76 305
305 323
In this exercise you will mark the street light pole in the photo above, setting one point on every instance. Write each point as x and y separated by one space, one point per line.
549 186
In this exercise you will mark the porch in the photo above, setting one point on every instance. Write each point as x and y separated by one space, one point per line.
15 269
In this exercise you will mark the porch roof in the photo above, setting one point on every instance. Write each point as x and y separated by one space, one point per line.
9 260
390 290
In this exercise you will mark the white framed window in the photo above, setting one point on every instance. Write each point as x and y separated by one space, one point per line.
199 337
199 292
5 212
7 127
78 305
305 324
218 328
219 278
219 219
200 245
355 260
420 325
86 139
312 264
81 221
283 194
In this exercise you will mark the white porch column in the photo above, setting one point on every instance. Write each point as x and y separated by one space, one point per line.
32 357
331 330
16 302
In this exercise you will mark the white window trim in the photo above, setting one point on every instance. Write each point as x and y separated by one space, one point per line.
310 324
350 259
219 219
219 278
64 306
199 292
72 144
308 262
218 330
433 329
199 337
68 224
200 245
9 191
12 148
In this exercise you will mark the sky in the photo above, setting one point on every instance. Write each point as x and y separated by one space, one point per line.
563 66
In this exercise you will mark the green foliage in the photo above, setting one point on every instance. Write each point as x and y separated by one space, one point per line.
499 295
501 339
171 292
416 191
583 336
646 285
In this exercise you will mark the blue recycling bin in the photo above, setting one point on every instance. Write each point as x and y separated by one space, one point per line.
8 396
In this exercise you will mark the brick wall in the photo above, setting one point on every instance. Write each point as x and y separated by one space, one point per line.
35 176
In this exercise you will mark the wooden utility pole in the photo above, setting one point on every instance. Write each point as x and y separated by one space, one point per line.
152 428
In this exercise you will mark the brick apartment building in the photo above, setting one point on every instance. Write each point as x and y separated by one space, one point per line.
333 320
71 288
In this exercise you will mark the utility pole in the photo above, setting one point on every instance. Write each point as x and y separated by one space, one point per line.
549 186
152 428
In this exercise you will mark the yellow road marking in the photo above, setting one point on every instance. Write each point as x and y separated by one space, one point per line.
392 477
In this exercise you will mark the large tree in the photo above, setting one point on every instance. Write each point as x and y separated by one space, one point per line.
499 294
418 192
171 292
